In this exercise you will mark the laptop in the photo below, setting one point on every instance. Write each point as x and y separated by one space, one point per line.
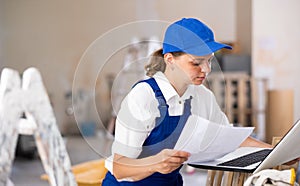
253 159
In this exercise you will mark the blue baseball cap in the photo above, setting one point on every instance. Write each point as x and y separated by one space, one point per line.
191 36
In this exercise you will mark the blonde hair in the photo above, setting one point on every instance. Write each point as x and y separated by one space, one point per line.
157 62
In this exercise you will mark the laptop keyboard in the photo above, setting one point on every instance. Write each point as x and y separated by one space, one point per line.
248 159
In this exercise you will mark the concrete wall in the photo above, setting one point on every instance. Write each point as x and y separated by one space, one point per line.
1 34
275 45
53 35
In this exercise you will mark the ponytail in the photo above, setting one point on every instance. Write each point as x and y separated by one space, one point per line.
157 62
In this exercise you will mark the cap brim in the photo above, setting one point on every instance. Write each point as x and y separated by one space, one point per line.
215 46
206 49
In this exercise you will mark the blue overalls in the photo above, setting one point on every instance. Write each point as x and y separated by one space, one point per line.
164 136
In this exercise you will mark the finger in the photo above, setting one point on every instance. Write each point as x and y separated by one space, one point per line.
181 154
169 153
168 167
173 166
178 160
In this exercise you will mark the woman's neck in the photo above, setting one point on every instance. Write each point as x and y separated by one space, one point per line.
176 82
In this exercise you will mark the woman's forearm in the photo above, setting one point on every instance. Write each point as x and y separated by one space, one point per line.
134 169
251 142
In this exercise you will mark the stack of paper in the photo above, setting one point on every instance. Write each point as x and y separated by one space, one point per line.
208 141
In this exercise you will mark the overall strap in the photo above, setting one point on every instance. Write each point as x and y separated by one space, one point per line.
151 81
182 121
162 104
167 128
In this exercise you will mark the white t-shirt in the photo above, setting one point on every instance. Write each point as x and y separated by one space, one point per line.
138 111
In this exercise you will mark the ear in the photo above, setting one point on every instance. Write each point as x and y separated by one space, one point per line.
169 58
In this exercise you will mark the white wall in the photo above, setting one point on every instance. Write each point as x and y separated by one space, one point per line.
53 35
220 15
243 26
275 44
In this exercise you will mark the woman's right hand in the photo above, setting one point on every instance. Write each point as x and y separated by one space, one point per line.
169 160
164 162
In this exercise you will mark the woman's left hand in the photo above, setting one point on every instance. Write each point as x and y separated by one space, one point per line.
292 162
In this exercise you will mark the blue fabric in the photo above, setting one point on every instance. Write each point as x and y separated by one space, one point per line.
191 36
164 136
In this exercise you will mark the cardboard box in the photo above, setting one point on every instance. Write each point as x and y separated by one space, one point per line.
280 113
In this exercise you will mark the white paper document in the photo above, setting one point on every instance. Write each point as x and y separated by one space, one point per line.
208 141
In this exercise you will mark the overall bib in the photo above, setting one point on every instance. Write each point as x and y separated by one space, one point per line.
164 136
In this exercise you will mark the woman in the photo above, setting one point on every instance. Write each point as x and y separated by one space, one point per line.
154 113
